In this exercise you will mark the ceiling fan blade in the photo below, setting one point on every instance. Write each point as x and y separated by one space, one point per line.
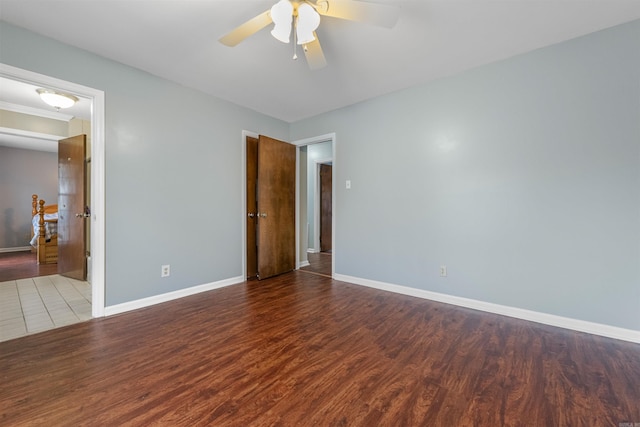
313 53
247 29
371 13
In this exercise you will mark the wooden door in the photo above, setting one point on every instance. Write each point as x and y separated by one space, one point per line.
325 207
252 206
71 207
276 207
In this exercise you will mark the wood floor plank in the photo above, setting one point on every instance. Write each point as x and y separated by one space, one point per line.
319 263
301 349
22 265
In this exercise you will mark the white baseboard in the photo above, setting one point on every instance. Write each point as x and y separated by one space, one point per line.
519 313
157 299
303 264
18 249
312 251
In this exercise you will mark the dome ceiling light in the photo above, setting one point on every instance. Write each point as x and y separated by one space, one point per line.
57 99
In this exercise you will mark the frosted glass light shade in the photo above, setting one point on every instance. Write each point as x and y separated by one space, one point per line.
308 21
56 99
282 16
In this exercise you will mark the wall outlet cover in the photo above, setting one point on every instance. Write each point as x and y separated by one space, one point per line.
165 270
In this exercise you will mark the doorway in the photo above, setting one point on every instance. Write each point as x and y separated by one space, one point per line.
97 222
301 217
314 155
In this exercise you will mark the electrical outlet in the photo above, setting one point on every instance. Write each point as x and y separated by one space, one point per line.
443 271
165 271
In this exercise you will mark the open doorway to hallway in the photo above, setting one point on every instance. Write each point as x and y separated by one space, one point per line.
315 205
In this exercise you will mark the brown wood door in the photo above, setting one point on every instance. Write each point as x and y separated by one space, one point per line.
276 207
325 207
252 206
71 207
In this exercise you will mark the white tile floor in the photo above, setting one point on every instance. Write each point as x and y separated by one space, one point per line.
34 305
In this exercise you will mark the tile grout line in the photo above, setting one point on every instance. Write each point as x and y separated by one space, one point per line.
65 299
24 319
61 296
43 303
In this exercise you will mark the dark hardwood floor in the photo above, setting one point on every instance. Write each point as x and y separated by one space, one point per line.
303 350
22 265
319 263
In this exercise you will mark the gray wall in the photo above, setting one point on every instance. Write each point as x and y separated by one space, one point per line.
522 176
23 173
173 161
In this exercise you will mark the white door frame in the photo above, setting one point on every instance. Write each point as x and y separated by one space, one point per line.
97 171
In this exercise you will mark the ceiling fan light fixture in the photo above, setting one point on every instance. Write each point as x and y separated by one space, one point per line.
307 22
282 16
57 99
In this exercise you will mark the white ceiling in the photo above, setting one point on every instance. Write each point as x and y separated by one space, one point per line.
15 93
177 40
22 98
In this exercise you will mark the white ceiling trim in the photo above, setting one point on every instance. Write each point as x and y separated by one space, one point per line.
8 106
27 140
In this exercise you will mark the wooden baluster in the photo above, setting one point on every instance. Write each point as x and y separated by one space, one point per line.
42 239
34 205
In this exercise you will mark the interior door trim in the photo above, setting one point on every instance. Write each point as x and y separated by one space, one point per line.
243 199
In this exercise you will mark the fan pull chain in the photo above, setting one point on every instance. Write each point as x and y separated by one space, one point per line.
295 44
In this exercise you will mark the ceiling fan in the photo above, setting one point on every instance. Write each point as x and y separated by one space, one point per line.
304 17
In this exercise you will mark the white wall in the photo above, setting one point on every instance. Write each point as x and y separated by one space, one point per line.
521 176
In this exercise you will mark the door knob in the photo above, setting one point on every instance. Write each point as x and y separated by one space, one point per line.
251 214
262 215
